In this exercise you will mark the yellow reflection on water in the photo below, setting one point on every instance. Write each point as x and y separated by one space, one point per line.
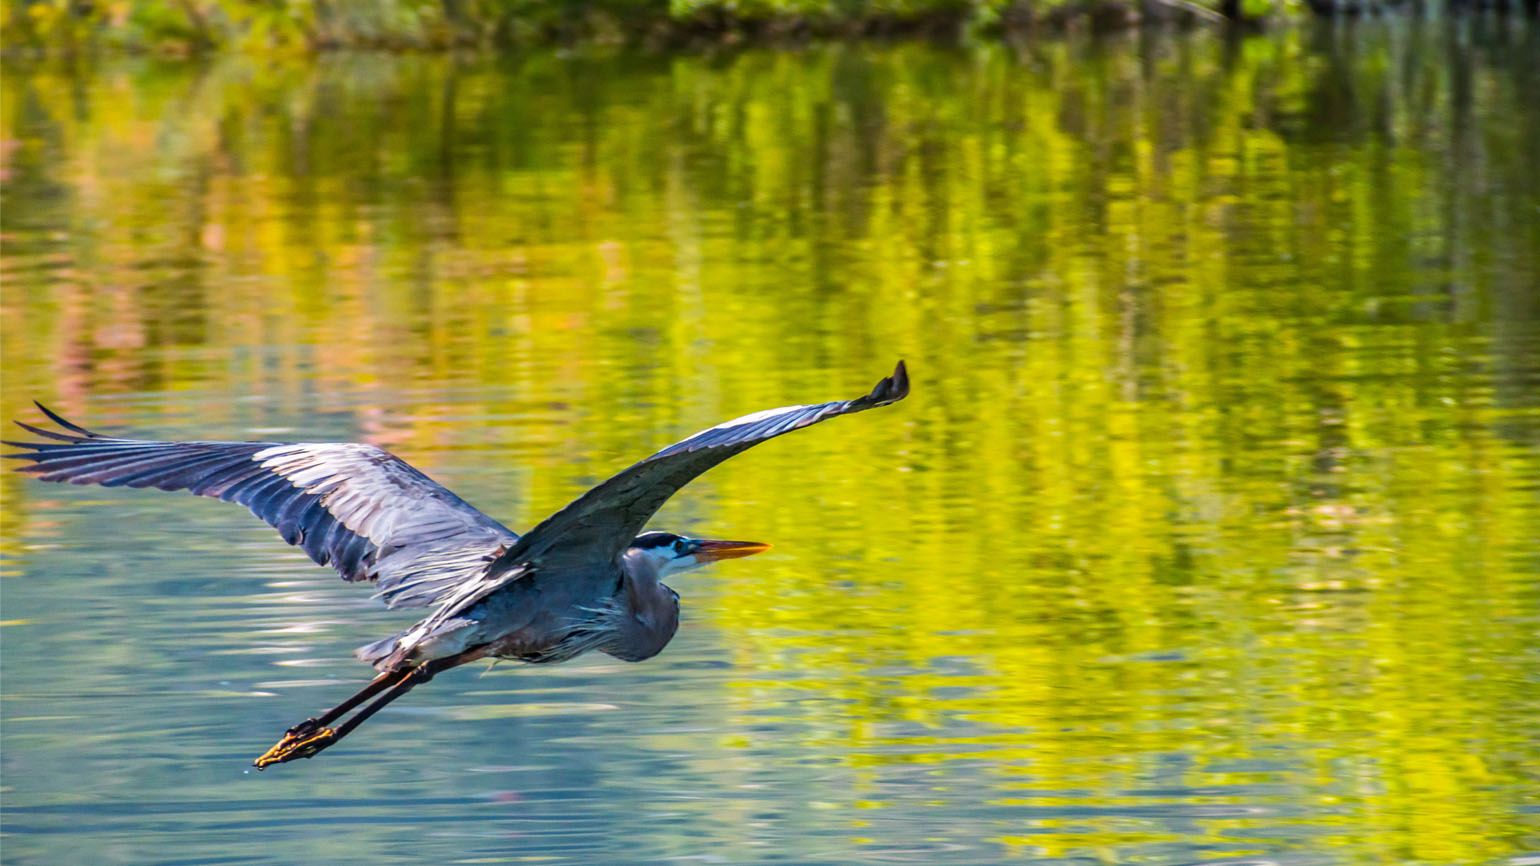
1210 522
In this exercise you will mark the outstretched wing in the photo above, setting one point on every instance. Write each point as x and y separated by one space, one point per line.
356 507
597 526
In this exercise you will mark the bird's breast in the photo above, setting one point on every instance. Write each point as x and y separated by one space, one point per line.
562 635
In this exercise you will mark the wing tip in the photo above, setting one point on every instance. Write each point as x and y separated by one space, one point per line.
890 390
81 433
900 379
58 419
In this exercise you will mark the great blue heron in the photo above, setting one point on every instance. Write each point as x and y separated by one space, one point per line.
582 579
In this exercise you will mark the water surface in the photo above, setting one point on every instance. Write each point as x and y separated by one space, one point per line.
1207 536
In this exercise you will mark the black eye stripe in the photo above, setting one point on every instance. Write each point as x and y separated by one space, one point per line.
654 540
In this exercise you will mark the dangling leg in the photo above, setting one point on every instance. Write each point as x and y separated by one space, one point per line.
309 737
375 686
304 730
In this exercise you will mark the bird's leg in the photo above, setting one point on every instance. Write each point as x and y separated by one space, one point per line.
299 736
309 737
375 686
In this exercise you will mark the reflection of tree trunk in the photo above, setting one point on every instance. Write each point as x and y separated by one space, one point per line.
1017 15
446 149
320 31
454 12
202 37
455 18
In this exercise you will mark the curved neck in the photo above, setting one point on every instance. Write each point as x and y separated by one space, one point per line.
651 610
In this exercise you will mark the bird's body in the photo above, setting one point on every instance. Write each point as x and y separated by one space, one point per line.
621 609
586 578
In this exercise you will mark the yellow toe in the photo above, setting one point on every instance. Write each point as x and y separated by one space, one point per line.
291 747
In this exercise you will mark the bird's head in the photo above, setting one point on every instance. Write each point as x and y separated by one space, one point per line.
675 553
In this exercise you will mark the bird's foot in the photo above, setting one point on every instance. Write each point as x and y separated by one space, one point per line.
304 740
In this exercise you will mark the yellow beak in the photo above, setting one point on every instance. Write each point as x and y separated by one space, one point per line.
713 551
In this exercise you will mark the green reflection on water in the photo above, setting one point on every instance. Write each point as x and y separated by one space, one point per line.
1209 532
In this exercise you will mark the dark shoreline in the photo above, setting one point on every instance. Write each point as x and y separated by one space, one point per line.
602 22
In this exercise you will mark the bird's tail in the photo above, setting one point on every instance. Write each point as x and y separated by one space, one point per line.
429 640
379 654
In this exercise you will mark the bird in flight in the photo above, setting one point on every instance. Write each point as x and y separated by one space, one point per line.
585 578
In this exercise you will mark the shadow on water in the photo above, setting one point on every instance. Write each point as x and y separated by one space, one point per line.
1207 535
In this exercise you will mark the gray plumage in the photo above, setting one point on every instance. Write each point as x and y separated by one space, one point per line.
365 512
581 580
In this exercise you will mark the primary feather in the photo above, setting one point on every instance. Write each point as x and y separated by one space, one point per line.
367 513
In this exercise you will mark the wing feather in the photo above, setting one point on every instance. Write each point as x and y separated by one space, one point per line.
368 514
597 526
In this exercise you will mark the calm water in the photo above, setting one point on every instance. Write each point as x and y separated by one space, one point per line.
1208 536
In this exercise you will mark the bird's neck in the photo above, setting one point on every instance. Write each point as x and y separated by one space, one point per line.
651 610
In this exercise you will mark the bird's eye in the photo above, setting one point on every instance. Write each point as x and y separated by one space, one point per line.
681 547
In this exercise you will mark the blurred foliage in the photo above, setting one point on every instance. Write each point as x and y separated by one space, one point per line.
1209 530
181 26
